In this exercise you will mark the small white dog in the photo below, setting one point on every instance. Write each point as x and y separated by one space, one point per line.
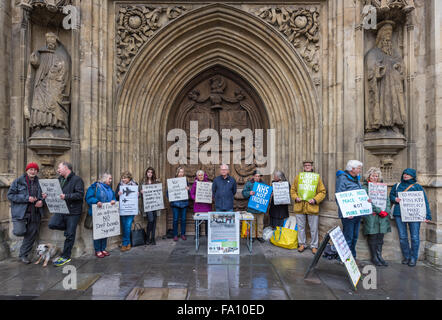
46 252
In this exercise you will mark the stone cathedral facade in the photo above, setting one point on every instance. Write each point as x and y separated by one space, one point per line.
100 83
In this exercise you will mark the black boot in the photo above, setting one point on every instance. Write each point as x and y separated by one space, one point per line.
153 227
379 245
372 246
148 231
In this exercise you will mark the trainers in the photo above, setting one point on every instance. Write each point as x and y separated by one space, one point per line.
301 248
25 260
314 250
60 262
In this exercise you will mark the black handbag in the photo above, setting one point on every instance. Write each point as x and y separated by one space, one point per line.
138 236
88 223
57 222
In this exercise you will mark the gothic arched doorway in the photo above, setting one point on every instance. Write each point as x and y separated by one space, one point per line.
217 99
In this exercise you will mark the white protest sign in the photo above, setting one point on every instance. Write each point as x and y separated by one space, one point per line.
129 200
153 197
223 233
106 220
412 204
53 189
354 203
353 270
203 192
281 193
176 188
378 194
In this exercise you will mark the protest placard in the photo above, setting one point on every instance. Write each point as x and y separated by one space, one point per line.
281 192
53 190
176 188
307 184
354 203
153 197
223 233
129 201
412 204
203 192
261 199
377 192
106 220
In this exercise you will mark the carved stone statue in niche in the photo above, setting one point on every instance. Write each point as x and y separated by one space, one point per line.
385 107
47 93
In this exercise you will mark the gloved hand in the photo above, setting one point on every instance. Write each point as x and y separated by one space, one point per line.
383 214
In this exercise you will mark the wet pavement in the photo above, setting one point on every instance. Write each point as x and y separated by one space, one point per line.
173 270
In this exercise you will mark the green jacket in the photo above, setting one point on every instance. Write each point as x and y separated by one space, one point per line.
374 224
246 194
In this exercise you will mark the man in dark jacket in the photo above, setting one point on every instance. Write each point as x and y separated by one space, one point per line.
224 189
72 187
26 209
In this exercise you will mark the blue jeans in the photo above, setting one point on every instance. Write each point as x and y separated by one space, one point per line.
126 225
350 229
179 214
100 244
222 210
414 227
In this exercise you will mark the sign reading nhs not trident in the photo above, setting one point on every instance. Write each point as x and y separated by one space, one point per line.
354 203
260 200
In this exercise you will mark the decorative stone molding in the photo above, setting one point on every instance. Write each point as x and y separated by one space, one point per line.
50 5
301 28
396 10
135 25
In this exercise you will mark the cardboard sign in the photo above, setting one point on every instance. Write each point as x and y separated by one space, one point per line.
378 194
129 200
106 220
412 204
281 193
223 233
261 199
203 192
53 189
153 197
176 188
307 184
354 203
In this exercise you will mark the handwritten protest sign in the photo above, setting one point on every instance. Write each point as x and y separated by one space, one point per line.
412 204
307 184
261 199
378 194
223 233
106 220
129 201
203 192
176 188
354 203
281 192
153 197
53 189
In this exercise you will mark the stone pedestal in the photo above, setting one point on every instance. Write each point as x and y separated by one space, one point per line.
385 142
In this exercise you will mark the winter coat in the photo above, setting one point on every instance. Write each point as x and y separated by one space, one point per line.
346 182
18 195
304 207
246 194
117 189
373 223
99 192
199 207
224 191
278 211
404 185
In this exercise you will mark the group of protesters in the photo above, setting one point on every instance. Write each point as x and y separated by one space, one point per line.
27 201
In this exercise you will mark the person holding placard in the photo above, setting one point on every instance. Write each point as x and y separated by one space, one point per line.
98 193
258 216
126 220
199 206
377 224
280 212
408 184
179 209
308 191
26 200
150 177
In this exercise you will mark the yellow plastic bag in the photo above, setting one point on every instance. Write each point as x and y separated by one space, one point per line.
285 238
244 229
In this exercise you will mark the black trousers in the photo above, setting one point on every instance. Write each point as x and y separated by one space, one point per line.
28 229
71 221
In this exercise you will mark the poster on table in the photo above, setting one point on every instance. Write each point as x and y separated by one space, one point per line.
354 203
53 190
261 199
281 192
176 188
377 192
412 204
223 233
129 200
307 184
153 197
203 192
106 220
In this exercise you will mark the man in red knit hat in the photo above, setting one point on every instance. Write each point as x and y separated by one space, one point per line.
26 200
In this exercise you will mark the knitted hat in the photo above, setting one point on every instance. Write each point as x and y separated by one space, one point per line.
32 165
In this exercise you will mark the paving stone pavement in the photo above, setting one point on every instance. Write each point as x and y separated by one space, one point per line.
173 270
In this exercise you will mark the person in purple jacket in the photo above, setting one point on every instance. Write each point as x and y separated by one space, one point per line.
200 207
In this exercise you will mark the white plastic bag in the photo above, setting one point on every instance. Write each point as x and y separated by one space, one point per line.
267 233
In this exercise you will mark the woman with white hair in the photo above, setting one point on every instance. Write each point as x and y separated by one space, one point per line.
347 181
199 206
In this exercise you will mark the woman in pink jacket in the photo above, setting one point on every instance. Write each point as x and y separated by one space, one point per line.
200 207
